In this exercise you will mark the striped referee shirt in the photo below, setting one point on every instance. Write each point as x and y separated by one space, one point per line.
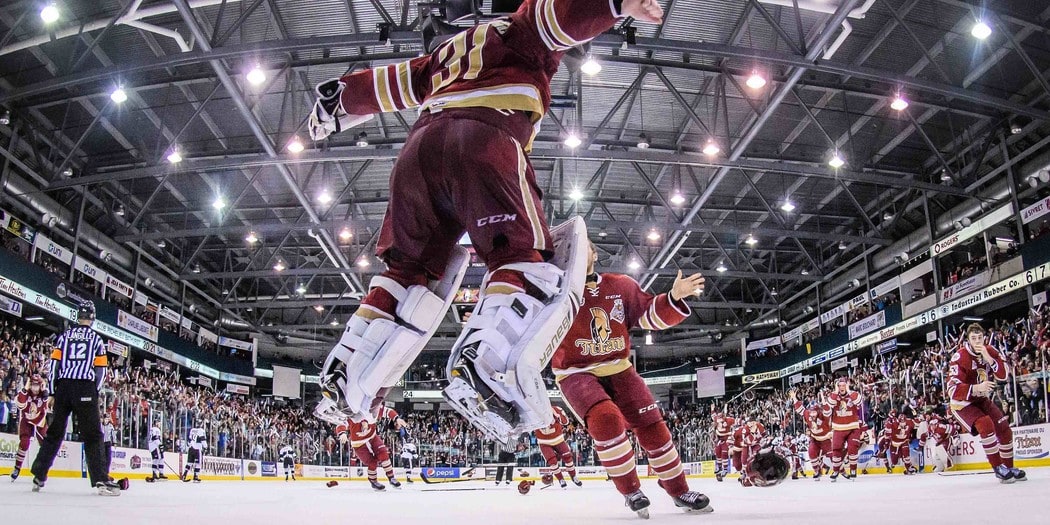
79 354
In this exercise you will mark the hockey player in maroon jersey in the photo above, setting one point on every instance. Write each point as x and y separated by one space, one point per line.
818 428
901 429
593 369
974 369
885 440
369 447
736 446
31 402
843 407
938 437
553 447
481 95
753 438
723 433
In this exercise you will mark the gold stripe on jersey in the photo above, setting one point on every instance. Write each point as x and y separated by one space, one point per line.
404 85
554 27
476 60
538 240
620 470
598 369
382 89
551 442
513 97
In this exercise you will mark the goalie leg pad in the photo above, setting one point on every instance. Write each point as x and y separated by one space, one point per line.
373 355
510 338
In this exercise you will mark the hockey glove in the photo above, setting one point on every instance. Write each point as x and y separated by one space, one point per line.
327 115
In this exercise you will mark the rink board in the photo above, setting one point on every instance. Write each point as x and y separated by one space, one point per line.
1031 449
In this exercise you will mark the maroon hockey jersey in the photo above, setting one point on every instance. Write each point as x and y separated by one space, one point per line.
363 432
844 410
554 433
818 426
724 428
505 64
968 368
32 408
599 341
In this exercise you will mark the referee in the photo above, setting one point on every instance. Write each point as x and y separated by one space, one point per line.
78 368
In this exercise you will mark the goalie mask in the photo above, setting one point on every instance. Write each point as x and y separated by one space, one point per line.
768 469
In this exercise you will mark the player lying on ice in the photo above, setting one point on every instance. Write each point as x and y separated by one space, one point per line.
480 95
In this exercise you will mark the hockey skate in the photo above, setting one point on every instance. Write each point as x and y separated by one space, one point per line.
37 484
561 482
834 476
377 485
816 475
15 473
694 502
576 481
1005 474
1019 474
107 488
409 480
637 502
196 479
719 475
394 483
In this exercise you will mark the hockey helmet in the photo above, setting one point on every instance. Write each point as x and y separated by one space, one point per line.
547 479
524 486
86 312
768 469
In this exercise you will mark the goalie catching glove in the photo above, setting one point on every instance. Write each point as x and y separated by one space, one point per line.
327 115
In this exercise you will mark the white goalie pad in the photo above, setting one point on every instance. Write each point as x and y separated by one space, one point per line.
373 355
495 368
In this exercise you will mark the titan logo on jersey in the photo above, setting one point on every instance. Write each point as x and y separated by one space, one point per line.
601 341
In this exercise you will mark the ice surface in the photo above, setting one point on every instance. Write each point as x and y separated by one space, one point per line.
882 499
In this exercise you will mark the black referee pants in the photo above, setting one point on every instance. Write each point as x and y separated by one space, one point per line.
79 398
506 460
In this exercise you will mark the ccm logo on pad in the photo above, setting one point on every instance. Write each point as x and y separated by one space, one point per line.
493 219
647 409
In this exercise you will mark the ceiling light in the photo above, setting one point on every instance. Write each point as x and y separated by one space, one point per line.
773 292
1015 129
591 66
887 216
573 140
5 118
197 268
602 233
945 176
721 268
324 197
836 161
756 80
256 76
296 145
653 235
174 157
899 104
345 234
751 240
252 238
119 210
804 271
279 266
334 322
49 14
118 95
67 173
363 262
677 198
300 289
980 30
634 264
162 244
219 203
575 194
842 246
318 308
643 141
711 148
787 207
648 339
362 140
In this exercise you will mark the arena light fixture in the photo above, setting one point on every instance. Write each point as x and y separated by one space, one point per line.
345 234
981 30
576 194
946 177
279 266
67 173
590 66
325 197
118 95
319 308
887 216
643 141
602 233
788 206
252 238
219 203
653 235
5 118
296 145
634 264
721 268
842 246
677 198
573 140
1015 128
162 244
836 161
197 268
335 322
804 272
256 76
300 289
751 240
648 339
711 148
899 103
363 262
756 80
773 292
49 14
174 156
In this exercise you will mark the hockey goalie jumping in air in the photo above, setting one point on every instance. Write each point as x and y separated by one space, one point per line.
464 168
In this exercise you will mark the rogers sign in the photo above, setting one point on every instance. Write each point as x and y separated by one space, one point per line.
945 244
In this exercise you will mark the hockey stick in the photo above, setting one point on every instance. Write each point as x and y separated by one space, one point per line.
965 473
468 472
173 470
451 489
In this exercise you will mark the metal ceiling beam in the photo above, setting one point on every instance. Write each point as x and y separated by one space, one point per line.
350 154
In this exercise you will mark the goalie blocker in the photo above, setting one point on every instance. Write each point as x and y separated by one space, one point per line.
371 356
495 368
